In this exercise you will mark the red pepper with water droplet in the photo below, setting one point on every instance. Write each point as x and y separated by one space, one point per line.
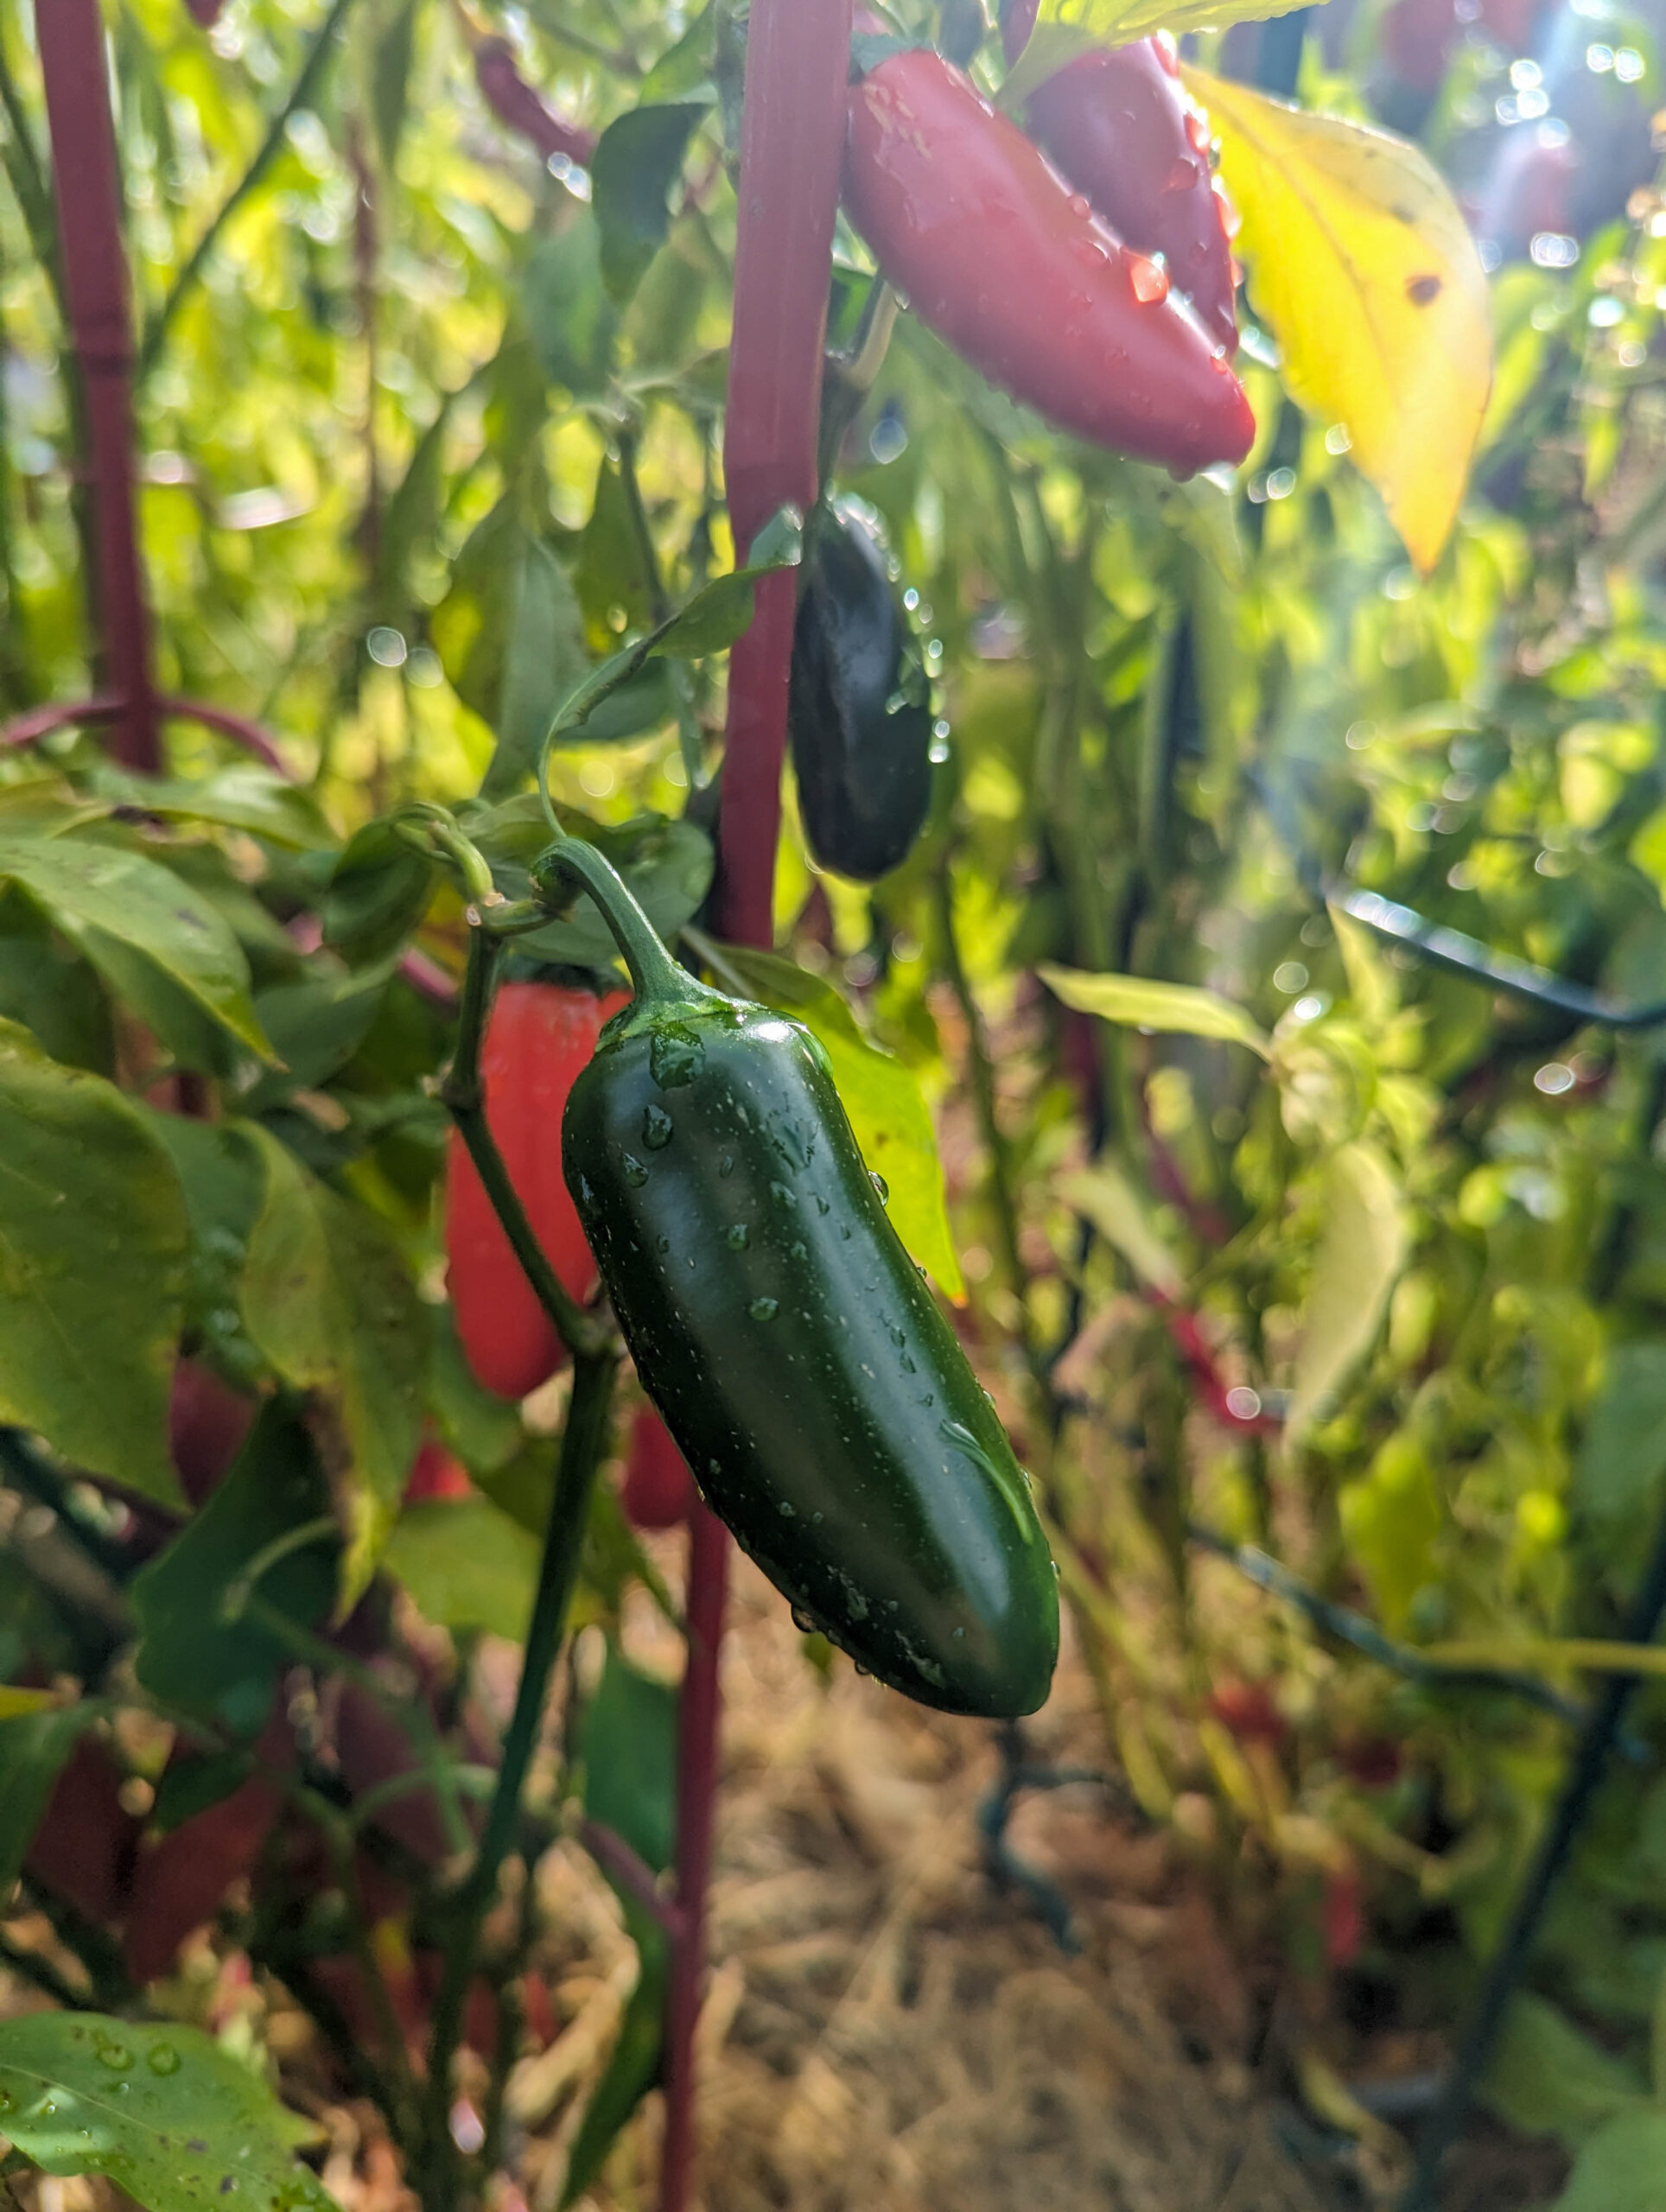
968 219
1119 126
538 1038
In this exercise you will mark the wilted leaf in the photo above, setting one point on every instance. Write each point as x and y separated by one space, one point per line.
94 1247
1366 272
161 2110
881 1098
1172 1009
1365 1244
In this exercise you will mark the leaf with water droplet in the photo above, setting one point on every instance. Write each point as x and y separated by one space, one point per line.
62 2111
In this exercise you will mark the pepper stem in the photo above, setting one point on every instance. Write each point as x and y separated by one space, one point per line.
654 974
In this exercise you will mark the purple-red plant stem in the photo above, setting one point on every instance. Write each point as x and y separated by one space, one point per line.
87 185
793 128
621 1863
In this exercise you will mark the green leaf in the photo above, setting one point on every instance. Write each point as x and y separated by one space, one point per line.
1116 1210
245 796
190 1655
1618 1475
633 2067
93 1244
569 315
465 1563
161 2110
614 583
545 658
83 885
627 1741
667 865
1051 47
685 66
329 1302
32 1748
47 986
1135 1001
390 77
316 1025
376 895
881 1097
1621 2169
637 159
1364 1245
1547 2079
221 1175
712 620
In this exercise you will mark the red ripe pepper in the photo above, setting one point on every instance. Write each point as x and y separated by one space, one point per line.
968 220
1120 128
659 1488
537 1038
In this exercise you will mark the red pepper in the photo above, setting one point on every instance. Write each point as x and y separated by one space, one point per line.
1120 128
968 220
659 1488
538 1036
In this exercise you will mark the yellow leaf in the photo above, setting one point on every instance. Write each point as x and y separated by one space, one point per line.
1115 22
1174 1009
1363 1247
1371 284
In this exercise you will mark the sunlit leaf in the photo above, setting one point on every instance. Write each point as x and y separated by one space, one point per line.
1116 1210
159 2109
1117 23
1362 1250
1135 1001
1364 270
882 1097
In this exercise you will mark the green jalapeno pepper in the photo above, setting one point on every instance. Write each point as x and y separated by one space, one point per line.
817 1393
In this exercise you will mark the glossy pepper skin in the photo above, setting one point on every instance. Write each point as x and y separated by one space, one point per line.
859 711
989 247
819 1395
537 1037
1118 125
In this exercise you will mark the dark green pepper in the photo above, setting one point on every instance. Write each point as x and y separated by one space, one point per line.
860 711
790 1342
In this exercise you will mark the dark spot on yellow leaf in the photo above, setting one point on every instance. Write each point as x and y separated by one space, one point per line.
1420 291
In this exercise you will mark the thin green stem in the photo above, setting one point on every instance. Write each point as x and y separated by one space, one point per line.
464 1096
581 1446
301 94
